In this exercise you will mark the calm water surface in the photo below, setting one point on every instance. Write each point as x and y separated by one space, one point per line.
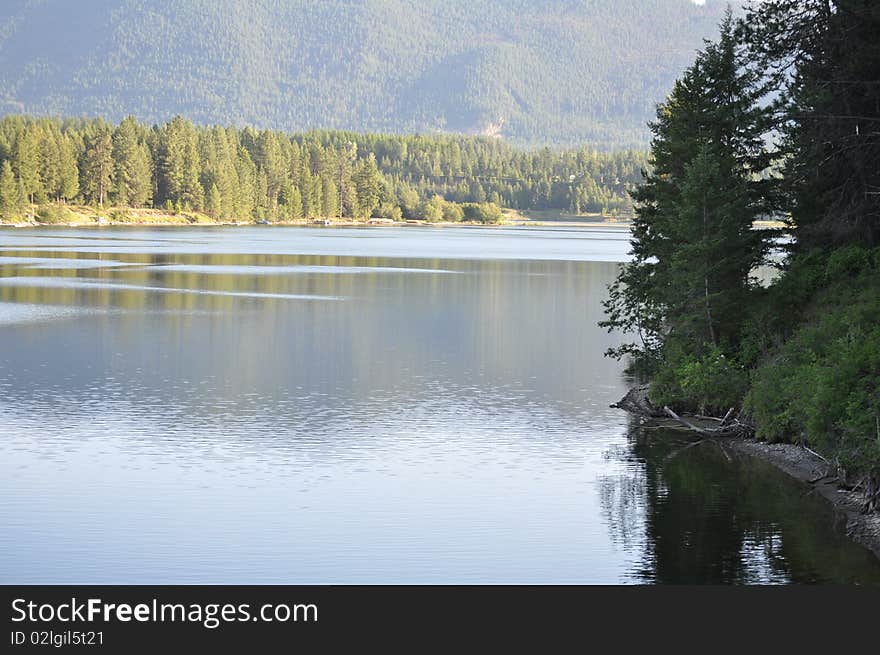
284 405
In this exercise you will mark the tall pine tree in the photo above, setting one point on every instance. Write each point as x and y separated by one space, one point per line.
693 242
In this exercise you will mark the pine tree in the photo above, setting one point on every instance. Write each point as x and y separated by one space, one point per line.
68 171
330 202
50 165
693 243
132 166
824 60
26 162
214 202
180 165
271 160
346 203
10 199
98 167
291 200
245 190
368 184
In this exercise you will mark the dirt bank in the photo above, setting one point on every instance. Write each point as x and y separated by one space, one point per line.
797 461
810 469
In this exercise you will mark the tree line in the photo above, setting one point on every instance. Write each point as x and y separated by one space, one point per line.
247 174
778 118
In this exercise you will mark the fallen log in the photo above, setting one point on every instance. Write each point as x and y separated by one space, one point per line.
636 401
726 427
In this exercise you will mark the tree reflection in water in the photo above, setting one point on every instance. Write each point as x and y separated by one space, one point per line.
699 516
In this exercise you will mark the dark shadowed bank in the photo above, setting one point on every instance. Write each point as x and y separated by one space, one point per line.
849 501
861 527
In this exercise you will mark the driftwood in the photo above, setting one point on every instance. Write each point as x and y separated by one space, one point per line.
715 429
636 401
727 427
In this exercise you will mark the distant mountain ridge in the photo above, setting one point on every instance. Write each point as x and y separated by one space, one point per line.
536 72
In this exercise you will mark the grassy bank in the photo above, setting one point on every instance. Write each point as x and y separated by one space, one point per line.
73 215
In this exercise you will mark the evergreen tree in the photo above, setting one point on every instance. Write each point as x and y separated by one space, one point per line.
26 162
245 190
823 58
291 200
132 169
68 171
177 163
347 201
10 198
261 194
98 167
214 202
180 165
50 165
330 202
270 160
693 242
367 183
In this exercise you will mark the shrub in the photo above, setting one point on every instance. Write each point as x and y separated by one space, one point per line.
710 384
121 216
55 214
822 386
453 212
484 212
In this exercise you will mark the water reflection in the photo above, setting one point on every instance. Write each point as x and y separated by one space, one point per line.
352 406
704 513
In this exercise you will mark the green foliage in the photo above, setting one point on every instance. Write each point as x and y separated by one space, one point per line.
432 210
53 214
390 211
709 384
801 355
98 167
278 176
132 163
823 384
693 242
121 216
822 59
11 201
452 212
483 212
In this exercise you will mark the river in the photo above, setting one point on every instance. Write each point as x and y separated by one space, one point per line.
342 405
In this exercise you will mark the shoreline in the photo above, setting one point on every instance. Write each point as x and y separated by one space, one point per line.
85 216
193 220
803 465
410 223
809 469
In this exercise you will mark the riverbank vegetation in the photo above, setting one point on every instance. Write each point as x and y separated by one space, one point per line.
230 174
778 118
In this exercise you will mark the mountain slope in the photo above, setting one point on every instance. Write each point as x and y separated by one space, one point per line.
533 71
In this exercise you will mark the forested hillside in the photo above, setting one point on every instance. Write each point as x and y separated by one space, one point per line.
245 174
534 71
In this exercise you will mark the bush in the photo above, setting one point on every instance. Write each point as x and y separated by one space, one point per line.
388 210
453 212
55 214
709 384
121 216
822 386
483 212
432 210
